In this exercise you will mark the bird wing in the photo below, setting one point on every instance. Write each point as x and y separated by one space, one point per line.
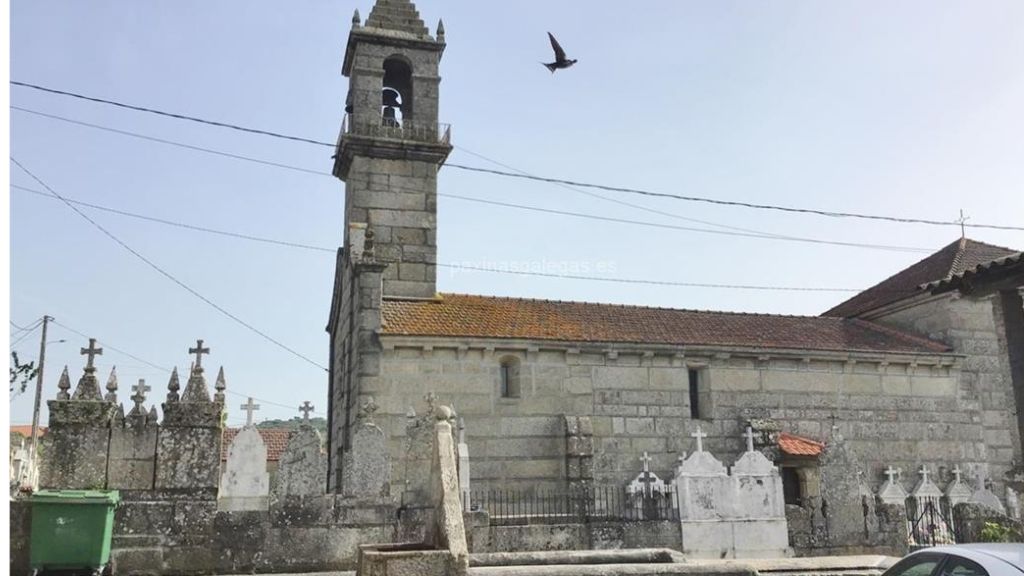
559 52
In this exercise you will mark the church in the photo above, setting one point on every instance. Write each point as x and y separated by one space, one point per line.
923 371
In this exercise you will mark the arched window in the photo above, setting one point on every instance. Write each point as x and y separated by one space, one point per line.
396 98
509 377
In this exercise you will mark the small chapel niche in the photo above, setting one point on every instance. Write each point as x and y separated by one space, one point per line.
396 97
509 377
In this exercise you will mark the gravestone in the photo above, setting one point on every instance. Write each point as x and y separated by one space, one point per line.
958 492
245 484
302 469
366 467
647 491
983 496
74 449
892 491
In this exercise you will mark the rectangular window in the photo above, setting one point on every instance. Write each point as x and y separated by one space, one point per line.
506 381
700 394
694 393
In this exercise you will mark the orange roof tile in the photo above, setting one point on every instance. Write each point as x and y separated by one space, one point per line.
276 439
794 445
458 315
26 429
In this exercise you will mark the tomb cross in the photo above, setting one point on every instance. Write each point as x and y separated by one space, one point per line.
963 223
892 473
749 435
924 474
249 407
92 352
700 436
306 408
957 472
140 390
199 351
647 463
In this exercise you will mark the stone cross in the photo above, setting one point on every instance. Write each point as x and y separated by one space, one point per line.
956 473
749 435
306 408
199 351
92 352
700 436
140 390
924 474
249 407
892 473
647 462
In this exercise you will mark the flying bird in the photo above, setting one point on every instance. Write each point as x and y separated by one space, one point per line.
561 62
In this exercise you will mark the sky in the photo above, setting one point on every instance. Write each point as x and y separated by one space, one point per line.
907 108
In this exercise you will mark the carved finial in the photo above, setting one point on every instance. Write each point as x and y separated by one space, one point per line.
440 30
173 385
369 250
220 386
112 386
356 19
63 385
368 409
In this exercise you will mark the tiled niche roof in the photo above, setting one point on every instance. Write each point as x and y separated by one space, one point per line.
794 445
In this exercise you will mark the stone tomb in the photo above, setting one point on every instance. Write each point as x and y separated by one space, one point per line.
740 515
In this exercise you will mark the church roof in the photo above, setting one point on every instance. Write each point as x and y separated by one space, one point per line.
458 315
954 259
397 15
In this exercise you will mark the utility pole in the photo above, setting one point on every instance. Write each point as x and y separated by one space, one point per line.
39 398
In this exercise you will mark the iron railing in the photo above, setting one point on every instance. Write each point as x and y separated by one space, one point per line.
571 506
397 129
931 522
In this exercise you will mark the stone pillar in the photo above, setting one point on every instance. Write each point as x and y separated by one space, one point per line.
133 446
579 452
76 446
189 446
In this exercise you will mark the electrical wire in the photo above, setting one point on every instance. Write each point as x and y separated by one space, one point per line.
468 266
737 231
166 274
791 209
25 335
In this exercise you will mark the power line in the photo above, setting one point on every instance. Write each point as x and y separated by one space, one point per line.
25 335
22 329
168 114
826 213
180 224
166 274
739 232
491 269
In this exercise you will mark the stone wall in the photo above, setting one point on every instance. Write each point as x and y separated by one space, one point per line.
901 410
975 328
591 536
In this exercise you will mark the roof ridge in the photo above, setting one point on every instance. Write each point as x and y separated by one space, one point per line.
631 306
902 334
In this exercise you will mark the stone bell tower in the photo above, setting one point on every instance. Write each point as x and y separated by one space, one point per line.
391 146
389 152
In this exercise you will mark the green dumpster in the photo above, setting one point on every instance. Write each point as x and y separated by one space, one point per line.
71 529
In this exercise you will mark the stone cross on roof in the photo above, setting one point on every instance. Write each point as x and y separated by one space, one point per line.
140 390
199 351
249 408
893 473
749 435
924 474
92 352
306 408
957 472
700 436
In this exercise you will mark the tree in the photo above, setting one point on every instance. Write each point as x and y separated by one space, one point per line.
21 374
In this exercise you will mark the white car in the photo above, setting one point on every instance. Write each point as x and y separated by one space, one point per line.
962 560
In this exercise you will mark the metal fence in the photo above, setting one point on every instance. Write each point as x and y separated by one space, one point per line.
931 522
398 129
571 506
